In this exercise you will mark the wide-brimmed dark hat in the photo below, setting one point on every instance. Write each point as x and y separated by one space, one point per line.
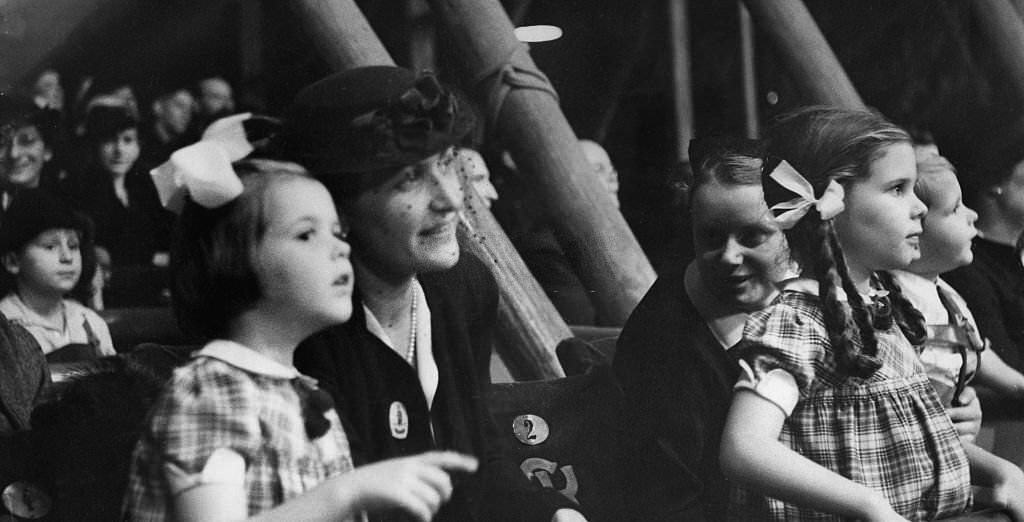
34 211
374 118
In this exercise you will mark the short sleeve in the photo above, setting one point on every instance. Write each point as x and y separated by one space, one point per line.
786 338
208 406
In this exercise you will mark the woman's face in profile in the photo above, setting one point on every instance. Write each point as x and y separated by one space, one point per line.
740 251
407 225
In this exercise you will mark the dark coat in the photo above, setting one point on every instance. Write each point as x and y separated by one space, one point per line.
677 380
131 234
365 377
24 375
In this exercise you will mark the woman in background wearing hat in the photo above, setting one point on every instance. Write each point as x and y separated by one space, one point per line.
409 369
45 249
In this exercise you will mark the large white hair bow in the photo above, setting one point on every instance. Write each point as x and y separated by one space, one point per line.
829 205
203 170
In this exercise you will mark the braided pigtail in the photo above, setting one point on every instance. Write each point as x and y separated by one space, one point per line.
910 320
844 320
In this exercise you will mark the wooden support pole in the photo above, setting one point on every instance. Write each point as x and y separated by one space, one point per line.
805 52
682 88
343 35
751 121
526 317
1003 27
595 237
528 323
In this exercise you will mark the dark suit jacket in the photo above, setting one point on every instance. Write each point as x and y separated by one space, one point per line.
677 381
365 377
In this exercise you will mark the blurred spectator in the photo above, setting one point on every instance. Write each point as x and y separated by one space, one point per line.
47 92
172 113
474 170
216 100
603 168
119 196
26 132
47 255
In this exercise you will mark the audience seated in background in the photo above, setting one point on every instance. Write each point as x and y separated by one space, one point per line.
26 135
169 129
121 199
215 100
47 256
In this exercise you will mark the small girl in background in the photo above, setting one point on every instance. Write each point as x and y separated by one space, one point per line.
954 352
258 264
47 256
833 416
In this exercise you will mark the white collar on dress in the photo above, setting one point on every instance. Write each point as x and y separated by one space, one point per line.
246 359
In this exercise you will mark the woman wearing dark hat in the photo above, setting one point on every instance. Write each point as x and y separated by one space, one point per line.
121 200
408 370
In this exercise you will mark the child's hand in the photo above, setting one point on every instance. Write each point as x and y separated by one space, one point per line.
418 485
966 415
1007 494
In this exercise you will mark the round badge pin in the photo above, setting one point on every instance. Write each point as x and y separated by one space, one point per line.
26 500
398 420
530 429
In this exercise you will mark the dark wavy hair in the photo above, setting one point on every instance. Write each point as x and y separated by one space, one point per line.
726 161
212 276
826 143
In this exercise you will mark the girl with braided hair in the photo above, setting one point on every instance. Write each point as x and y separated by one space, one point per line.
833 416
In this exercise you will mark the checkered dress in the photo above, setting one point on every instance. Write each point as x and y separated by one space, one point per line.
210 404
888 431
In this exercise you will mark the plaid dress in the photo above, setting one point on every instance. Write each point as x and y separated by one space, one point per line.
231 397
888 432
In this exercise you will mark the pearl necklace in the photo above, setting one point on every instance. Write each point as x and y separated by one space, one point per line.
410 356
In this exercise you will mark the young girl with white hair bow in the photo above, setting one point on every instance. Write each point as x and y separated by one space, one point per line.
239 433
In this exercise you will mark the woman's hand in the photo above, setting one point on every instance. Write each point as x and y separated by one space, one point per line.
418 485
966 416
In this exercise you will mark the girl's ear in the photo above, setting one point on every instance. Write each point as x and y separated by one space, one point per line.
11 263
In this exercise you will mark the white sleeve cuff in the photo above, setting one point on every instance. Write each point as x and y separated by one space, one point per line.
225 466
776 386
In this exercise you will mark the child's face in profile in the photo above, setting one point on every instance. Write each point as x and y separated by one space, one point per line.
948 226
881 226
302 261
49 264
